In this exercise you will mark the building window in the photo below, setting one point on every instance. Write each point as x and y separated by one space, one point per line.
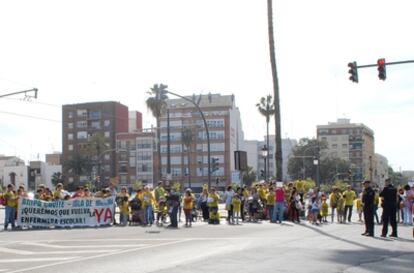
107 168
107 123
70 114
81 124
70 136
95 115
82 113
70 147
70 125
107 134
344 146
107 156
82 135
95 125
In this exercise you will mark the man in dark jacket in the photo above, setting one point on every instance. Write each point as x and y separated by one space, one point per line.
368 201
389 206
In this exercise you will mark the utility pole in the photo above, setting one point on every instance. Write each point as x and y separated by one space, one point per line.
25 92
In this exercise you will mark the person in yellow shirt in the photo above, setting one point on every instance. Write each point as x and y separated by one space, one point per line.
212 203
10 206
341 209
358 205
236 202
333 202
376 205
123 204
270 202
324 210
188 204
349 196
148 201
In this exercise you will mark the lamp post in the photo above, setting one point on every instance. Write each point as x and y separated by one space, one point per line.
265 153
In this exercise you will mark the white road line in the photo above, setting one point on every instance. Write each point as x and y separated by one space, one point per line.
27 253
31 260
4 270
80 246
16 251
98 256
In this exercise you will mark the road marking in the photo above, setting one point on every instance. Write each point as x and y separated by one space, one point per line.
80 246
30 260
26 252
3 270
16 251
97 256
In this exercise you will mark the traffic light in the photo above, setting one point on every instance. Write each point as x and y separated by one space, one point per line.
215 164
382 72
353 71
262 173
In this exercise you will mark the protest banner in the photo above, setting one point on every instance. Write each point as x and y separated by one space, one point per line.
78 212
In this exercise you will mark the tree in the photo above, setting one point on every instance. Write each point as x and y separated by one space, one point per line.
56 178
158 106
397 178
300 164
188 138
278 134
78 165
250 176
267 108
95 148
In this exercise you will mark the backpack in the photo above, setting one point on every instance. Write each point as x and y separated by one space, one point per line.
2 200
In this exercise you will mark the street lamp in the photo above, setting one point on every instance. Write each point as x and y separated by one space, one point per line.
265 153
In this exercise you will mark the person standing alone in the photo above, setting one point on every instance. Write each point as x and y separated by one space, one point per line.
368 198
389 206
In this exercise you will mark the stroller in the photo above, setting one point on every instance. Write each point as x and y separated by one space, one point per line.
137 214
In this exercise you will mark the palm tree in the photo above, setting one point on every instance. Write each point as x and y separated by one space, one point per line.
96 147
267 109
188 138
278 134
79 165
158 106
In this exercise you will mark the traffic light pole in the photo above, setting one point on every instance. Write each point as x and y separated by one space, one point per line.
206 127
390 63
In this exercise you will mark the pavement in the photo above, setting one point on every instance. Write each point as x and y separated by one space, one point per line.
248 247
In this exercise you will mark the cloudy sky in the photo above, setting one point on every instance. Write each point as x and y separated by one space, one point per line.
83 50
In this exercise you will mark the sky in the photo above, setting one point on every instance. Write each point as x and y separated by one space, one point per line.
83 50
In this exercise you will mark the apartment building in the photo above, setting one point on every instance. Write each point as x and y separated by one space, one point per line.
353 142
188 149
81 122
136 158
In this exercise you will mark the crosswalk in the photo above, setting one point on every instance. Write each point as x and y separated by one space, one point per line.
25 256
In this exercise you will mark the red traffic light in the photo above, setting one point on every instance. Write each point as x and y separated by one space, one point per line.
381 61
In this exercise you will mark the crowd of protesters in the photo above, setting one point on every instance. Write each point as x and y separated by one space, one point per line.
275 202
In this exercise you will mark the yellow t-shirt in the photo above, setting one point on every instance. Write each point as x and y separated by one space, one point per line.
124 208
358 203
271 198
11 199
147 198
324 209
349 197
341 204
188 202
214 200
236 202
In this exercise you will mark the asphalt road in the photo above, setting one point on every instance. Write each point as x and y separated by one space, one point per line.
249 247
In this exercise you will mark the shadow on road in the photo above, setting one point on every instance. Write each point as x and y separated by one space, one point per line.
373 257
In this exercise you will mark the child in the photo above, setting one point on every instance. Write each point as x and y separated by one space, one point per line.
341 209
124 211
162 211
188 207
236 202
358 205
324 210
315 211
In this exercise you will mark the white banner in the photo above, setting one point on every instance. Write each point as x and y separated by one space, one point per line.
78 212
